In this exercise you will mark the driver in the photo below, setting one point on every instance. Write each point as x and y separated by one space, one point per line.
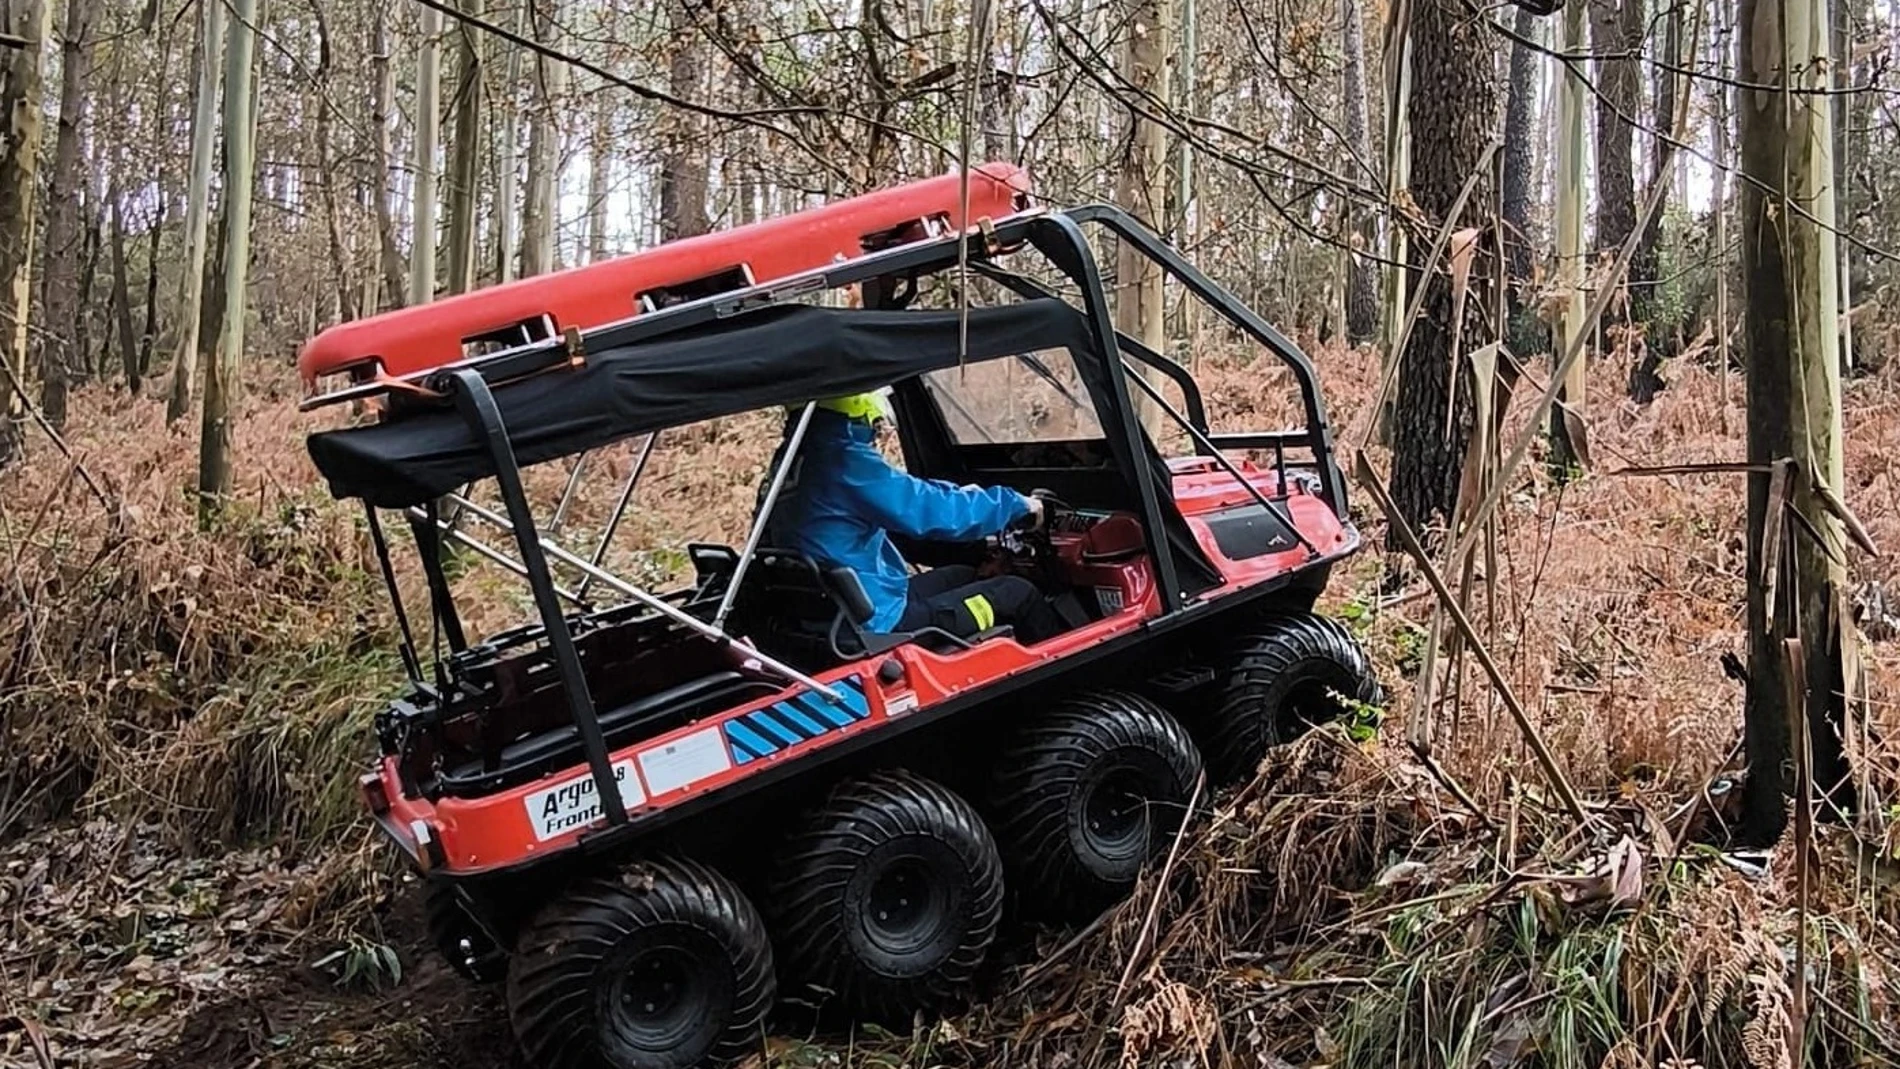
843 499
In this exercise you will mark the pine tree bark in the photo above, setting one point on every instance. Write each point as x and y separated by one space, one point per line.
683 174
465 153
221 372
1362 277
62 351
21 109
1142 189
1453 112
1790 290
1616 36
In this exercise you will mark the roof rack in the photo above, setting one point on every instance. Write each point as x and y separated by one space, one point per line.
394 350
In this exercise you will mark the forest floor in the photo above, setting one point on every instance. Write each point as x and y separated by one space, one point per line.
184 879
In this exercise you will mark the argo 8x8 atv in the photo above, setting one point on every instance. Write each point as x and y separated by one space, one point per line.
649 813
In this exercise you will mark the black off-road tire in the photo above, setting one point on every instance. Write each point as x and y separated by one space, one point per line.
1280 680
466 945
888 896
1085 794
663 966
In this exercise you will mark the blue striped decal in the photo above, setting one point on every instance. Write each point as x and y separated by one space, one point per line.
800 718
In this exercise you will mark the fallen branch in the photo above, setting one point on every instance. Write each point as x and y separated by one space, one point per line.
1362 471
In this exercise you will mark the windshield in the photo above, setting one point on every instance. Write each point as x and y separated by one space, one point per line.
1036 397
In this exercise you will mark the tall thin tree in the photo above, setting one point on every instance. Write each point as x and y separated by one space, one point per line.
428 130
1362 280
62 355
1142 190
20 111
465 153
222 372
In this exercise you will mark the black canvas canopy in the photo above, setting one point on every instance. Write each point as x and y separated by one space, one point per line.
778 355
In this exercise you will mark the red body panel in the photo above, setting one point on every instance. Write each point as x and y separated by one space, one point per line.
484 834
409 340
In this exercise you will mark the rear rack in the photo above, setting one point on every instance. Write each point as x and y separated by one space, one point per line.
397 350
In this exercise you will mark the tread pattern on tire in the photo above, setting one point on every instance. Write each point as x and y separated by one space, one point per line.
1280 652
1030 792
551 981
816 864
448 923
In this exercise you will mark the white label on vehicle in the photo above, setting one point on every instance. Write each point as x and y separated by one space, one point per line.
1110 598
685 760
900 704
573 804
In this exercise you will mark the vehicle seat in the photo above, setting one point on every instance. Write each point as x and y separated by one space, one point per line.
823 611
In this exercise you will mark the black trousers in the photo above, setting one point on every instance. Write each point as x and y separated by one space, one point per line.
954 599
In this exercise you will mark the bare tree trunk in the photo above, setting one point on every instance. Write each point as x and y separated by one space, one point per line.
600 153
539 215
1453 116
395 275
1362 286
1794 406
1616 36
1142 189
122 298
428 130
465 154
326 164
197 211
161 119
683 168
1566 417
1397 54
1841 47
1659 343
61 352
508 159
1523 333
20 110
221 372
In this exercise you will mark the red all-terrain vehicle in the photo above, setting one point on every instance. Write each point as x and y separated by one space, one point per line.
649 813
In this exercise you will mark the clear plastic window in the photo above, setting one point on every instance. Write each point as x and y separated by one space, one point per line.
1035 397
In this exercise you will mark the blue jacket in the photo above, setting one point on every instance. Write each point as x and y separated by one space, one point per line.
842 498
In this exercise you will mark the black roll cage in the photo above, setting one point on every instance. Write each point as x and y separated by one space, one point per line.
1058 235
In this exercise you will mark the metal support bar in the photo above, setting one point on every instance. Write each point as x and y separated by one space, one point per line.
1220 458
411 663
620 509
567 494
765 515
489 552
1088 277
477 406
656 604
1130 230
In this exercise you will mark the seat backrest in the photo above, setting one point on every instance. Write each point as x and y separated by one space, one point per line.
787 585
